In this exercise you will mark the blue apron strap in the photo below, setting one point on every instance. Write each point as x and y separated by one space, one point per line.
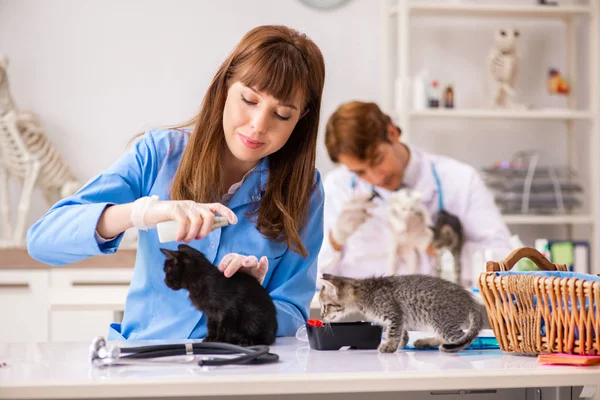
439 187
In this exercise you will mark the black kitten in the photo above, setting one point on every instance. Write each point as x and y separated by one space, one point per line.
448 235
238 309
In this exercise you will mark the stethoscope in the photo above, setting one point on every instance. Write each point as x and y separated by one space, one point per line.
102 355
436 177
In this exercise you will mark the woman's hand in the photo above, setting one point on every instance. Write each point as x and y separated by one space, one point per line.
250 265
194 220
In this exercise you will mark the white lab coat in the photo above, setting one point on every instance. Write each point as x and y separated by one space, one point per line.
464 195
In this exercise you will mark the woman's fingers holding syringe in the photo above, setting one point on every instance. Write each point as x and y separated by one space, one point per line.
186 220
191 217
220 209
193 227
211 222
208 219
196 220
179 215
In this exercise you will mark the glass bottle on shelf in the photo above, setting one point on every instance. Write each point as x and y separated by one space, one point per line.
434 95
449 97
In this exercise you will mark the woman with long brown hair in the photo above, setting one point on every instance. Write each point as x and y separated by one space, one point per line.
249 155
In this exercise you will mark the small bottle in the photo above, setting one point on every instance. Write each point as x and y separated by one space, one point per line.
434 95
449 97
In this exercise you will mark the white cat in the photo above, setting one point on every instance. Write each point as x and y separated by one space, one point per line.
411 230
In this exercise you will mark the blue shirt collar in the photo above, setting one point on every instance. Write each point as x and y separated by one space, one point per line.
253 186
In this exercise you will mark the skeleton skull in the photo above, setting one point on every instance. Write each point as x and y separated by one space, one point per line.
506 39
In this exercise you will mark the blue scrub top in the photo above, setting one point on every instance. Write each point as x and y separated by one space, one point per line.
66 234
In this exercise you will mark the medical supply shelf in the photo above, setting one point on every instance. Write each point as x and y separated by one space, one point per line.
470 9
396 75
544 114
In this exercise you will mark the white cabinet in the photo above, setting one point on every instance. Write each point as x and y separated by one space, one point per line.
23 305
84 302
60 304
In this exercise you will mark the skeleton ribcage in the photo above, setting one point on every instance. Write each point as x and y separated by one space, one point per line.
502 67
22 139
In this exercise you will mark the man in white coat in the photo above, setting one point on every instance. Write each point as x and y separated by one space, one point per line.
367 144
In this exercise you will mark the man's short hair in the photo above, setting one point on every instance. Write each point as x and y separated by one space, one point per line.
356 129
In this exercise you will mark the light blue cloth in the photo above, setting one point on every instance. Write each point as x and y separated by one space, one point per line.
556 274
480 343
66 234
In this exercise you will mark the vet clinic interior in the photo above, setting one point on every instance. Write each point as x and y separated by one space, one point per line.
509 90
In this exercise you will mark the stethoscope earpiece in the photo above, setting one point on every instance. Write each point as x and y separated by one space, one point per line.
98 343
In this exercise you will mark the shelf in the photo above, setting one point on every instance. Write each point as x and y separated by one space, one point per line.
578 18
496 10
517 219
549 114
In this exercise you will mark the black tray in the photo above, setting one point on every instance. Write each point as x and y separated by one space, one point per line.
333 336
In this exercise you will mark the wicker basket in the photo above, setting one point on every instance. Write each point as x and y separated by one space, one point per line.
532 314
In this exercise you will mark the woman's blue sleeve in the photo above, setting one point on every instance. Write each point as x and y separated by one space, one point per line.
66 233
293 283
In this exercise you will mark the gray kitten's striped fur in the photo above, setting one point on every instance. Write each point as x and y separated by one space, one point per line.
408 302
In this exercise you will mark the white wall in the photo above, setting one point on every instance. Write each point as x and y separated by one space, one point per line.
99 71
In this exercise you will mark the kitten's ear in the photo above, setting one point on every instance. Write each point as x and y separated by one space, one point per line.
330 288
170 254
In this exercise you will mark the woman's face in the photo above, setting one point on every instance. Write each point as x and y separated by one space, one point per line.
257 124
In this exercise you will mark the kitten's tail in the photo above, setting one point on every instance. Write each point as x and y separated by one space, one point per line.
475 325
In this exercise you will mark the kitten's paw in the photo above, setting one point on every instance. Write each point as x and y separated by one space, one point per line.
427 343
421 344
403 341
387 348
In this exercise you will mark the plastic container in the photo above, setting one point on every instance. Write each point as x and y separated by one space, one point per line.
167 231
523 185
334 336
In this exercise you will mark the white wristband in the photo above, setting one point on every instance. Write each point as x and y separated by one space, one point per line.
138 211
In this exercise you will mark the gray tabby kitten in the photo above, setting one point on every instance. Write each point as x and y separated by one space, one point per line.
406 302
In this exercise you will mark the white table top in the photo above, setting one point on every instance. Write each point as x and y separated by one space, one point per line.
62 370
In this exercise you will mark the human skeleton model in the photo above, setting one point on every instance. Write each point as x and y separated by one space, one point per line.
502 69
411 230
28 156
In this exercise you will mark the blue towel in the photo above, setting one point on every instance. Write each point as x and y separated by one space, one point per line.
557 274
480 343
